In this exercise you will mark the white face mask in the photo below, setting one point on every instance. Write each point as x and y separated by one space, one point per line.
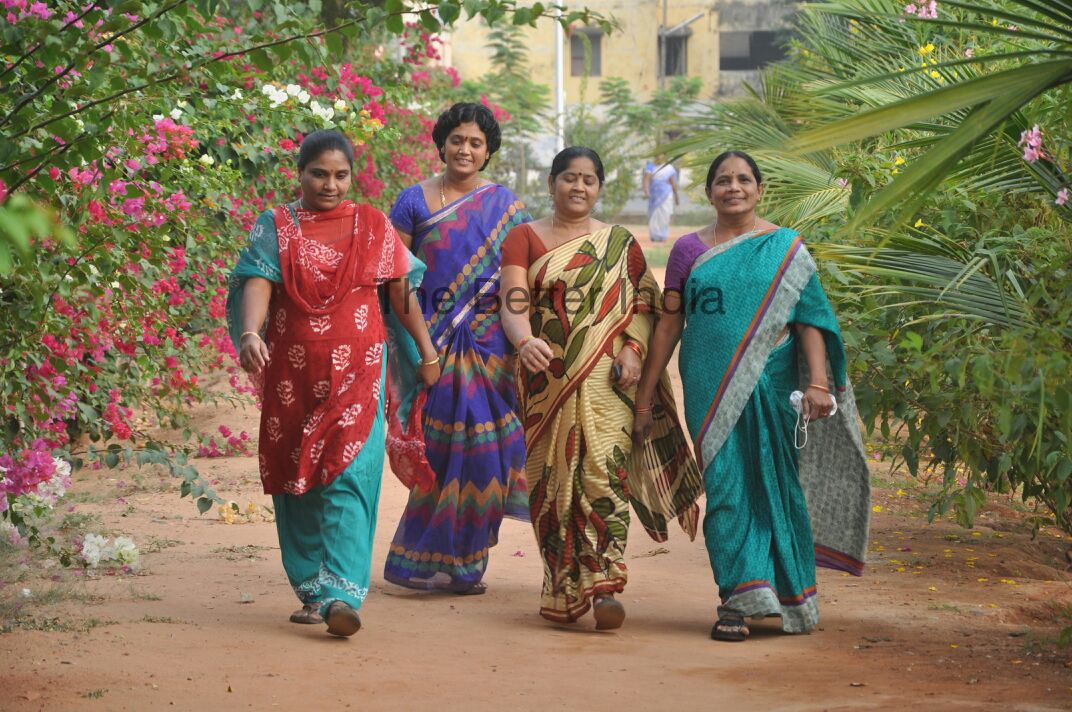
796 399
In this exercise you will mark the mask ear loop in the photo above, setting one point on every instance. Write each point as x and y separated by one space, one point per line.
797 429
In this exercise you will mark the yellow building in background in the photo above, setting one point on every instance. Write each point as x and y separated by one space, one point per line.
722 43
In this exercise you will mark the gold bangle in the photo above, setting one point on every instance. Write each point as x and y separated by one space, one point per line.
247 333
524 340
824 389
642 409
431 362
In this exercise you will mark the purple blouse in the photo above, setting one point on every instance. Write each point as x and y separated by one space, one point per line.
682 256
410 210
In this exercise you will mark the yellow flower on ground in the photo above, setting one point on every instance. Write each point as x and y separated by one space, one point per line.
899 161
876 509
919 223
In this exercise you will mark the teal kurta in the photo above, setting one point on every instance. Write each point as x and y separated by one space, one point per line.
773 513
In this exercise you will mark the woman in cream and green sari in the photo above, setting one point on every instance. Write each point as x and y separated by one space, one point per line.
579 303
758 338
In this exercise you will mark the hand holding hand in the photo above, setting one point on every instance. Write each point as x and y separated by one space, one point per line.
535 354
428 372
628 360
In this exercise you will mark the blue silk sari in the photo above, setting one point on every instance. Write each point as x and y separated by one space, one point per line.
459 446
773 511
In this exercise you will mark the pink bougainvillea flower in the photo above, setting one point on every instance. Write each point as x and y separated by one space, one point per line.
1032 142
1062 196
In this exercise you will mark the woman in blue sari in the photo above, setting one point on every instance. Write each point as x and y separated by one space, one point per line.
785 491
460 446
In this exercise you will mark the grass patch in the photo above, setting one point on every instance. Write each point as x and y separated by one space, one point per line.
237 553
944 607
54 625
657 256
161 619
156 545
95 694
91 496
80 522
139 595
61 593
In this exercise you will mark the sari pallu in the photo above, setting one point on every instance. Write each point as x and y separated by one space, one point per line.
459 446
583 474
773 513
321 435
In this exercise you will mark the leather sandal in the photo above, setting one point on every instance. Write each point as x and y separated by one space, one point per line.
609 613
342 619
307 615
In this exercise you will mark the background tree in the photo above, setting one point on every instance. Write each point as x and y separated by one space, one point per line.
935 198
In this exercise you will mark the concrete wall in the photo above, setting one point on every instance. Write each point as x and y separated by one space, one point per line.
630 53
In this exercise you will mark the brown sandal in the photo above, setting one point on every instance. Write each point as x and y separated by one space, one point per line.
342 619
307 615
609 613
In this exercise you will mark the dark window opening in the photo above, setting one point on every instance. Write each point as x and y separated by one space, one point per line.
675 61
577 51
749 50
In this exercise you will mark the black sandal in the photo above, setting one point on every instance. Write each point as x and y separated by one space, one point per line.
477 589
730 627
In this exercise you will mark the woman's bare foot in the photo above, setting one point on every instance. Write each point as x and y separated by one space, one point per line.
609 613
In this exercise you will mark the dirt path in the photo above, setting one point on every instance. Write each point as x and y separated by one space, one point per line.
944 619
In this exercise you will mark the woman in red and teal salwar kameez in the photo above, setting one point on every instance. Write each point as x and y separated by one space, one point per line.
304 314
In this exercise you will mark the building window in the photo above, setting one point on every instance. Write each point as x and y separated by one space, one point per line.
577 51
749 50
675 63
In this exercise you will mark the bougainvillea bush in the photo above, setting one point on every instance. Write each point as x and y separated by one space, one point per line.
138 143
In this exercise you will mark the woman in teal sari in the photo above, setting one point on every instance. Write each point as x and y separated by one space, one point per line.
785 491
304 315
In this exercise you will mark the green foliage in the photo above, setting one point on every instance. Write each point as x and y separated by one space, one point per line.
959 323
510 87
624 131
138 142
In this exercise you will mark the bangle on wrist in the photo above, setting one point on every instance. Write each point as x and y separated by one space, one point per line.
249 333
524 340
824 389
431 361
642 408
629 343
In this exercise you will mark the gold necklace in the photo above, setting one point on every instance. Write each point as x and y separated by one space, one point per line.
714 232
442 193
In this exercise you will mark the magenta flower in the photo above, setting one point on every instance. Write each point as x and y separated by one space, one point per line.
1032 143
1062 196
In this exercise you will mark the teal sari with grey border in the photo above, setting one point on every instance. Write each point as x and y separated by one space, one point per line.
773 512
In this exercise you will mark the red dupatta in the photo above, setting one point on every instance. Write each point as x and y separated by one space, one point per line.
323 383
